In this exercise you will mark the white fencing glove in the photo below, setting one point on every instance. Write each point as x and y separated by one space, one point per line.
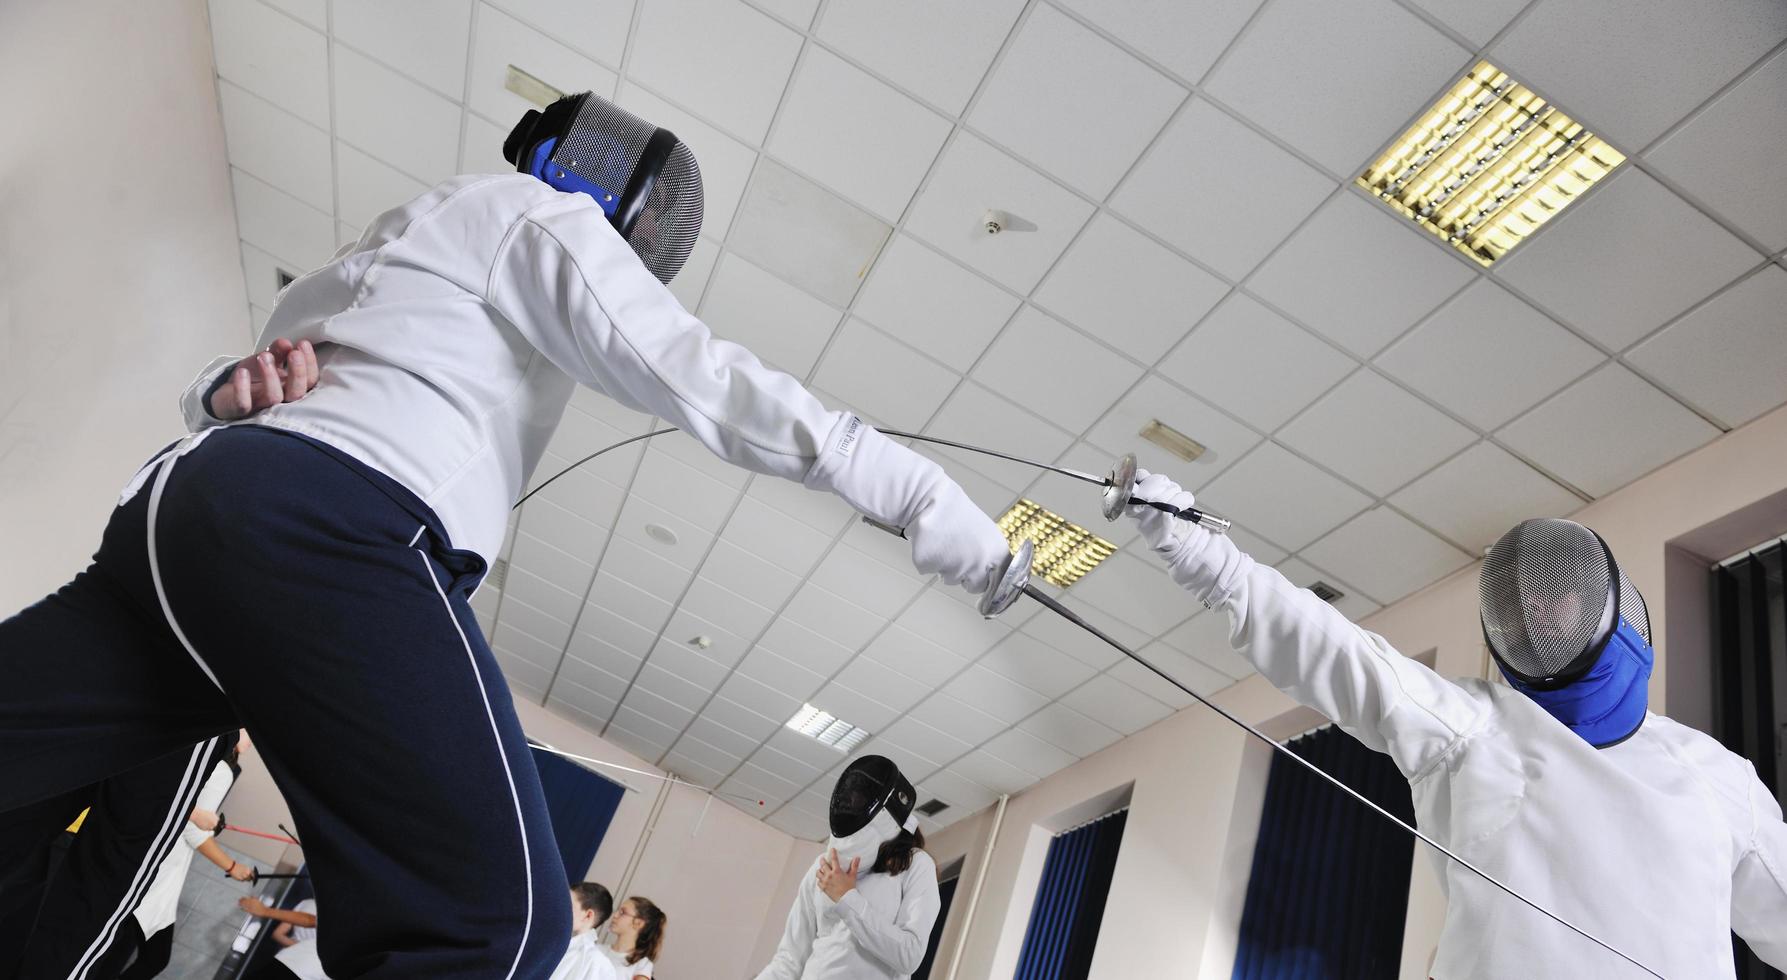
1201 562
951 537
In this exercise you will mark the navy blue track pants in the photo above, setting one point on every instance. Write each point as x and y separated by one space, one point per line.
328 604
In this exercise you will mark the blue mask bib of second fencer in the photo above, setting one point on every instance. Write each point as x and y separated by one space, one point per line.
1607 704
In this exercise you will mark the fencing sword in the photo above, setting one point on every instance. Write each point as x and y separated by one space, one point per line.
1013 580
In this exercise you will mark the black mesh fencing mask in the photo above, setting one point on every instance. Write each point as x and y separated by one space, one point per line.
1551 597
868 785
644 178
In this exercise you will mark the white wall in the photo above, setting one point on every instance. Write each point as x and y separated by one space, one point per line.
120 275
1174 883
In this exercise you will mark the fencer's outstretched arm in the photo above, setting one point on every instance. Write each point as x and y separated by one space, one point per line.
1759 882
798 935
1306 648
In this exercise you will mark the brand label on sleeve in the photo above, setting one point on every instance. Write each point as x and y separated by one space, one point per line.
852 432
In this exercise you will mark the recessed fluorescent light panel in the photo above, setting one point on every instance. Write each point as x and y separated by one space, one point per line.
530 88
1065 551
1172 440
1488 165
827 728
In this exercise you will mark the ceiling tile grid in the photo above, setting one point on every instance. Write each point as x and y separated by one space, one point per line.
1181 245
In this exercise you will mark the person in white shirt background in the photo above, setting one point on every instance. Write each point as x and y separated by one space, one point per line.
295 935
866 911
584 958
635 937
1646 834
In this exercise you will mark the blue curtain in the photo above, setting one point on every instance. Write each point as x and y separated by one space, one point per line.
1076 880
581 805
1328 895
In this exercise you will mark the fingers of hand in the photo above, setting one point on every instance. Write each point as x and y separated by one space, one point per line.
855 862
241 392
297 378
310 364
272 390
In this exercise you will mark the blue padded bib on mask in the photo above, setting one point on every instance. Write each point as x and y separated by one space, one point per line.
1607 704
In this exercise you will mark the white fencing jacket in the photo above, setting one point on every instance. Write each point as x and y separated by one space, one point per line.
584 959
1661 845
494 296
162 900
879 930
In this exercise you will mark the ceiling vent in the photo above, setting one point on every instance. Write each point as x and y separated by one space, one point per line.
931 807
499 574
1325 592
282 278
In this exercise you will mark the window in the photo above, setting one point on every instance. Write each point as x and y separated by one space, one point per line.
1076 879
1328 894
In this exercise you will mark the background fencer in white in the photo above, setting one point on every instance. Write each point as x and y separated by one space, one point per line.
1662 844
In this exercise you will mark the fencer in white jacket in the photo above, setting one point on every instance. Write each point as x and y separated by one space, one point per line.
1659 841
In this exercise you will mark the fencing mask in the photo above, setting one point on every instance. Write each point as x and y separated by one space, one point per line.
1567 628
870 786
644 178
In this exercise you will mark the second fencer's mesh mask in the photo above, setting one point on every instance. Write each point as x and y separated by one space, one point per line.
1551 597
644 178
869 785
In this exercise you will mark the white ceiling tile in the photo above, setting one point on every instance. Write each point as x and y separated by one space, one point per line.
810 752
1078 501
691 281
786 766
857 135
1335 80
1028 753
883 378
833 617
1728 357
994 694
976 416
951 625
656 709
824 512
424 39
956 719
1255 363
749 576
794 823
272 56
992 772
1374 433
592 679
1186 38
720 740
1117 705
882 591
312 12
680 691
680 644
1480 493
1358 275
699 499
933 304
927 742
779 323
1054 370
1056 69
725 162
963 795
590 26
1488 356
1287 500
562 569
721 55
1135 591
1626 260
394 118
1187 670
1477 20
780 673
281 225
938 49
1205 637
694 454
1607 430
914 656
718 604
262 271
1224 439
1386 554
1123 288
877 681
582 492
973 177
481 149
854 707
775 537
760 699
588 709
766 784
805 234
1062 726
692 541
1262 550
680 764
276 146
1631 68
523 676
638 731
1352 603
739 718
1036 665
676 655
541 594
1081 645
1714 157
612 640
540 652
646 568
1220 191
370 188
803 646
503 41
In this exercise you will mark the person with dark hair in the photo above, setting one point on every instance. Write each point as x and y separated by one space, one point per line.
636 936
868 908
584 959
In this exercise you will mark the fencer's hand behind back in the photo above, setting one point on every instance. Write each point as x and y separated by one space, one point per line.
955 540
284 372
1164 533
